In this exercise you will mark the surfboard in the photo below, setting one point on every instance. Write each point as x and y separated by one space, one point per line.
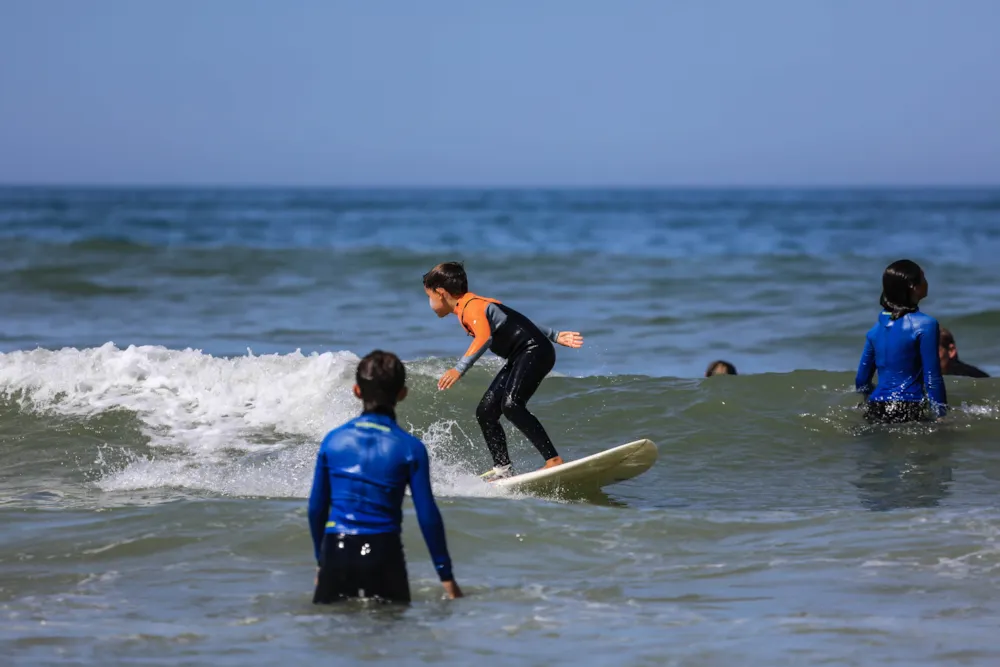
595 471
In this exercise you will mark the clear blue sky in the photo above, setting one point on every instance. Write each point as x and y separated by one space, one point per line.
511 92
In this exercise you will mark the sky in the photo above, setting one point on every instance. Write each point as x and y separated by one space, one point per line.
671 93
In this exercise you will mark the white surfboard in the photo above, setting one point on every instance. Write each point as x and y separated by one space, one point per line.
595 471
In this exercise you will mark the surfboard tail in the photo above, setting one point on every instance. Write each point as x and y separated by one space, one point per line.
607 467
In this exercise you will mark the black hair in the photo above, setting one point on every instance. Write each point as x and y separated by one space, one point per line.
945 337
381 376
710 371
449 275
899 281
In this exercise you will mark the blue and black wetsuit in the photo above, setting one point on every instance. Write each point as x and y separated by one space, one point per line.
356 510
905 354
530 356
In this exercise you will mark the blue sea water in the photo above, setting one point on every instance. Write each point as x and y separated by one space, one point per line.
170 359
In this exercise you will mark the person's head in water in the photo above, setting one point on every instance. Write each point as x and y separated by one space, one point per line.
445 284
948 356
947 350
720 367
380 382
903 286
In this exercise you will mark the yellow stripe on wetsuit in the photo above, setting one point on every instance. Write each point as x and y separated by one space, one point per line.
377 427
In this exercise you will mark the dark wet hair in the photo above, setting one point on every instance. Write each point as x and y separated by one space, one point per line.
898 282
449 275
710 371
381 376
945 337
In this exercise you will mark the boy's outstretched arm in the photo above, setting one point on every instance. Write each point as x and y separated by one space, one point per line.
564 338
570 338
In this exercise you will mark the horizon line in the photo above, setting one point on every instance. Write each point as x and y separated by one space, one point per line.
81 185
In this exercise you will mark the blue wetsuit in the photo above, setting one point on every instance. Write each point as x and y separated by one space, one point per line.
905 353
362 471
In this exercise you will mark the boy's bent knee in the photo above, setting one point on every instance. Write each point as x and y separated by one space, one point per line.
488 412
511 406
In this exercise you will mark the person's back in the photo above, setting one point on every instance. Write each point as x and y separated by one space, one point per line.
369 460
903 348
356 502
901 362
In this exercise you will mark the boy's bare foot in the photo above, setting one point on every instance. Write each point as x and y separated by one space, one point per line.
553 462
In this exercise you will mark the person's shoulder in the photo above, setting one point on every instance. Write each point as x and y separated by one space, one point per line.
344 429
480 301
978 372
407 439
923 321
482 304
968 370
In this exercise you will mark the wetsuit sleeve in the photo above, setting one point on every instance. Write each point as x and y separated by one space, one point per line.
866 369
319 501
933 382
474 316
551 334
428 515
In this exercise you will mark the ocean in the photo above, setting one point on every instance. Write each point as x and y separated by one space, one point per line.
171 358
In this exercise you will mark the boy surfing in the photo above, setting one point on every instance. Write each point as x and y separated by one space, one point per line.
528 352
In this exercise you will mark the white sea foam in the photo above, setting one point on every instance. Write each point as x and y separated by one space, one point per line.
247 425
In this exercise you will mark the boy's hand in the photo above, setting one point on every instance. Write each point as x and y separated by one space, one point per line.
449 378
451 589
570 339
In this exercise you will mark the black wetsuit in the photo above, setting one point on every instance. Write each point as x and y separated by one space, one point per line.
530 356
960 368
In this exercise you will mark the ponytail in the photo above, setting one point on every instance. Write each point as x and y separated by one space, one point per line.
899 281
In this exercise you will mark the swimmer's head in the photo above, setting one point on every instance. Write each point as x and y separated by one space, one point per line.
444 285
720 367
903 286
947 350
380 382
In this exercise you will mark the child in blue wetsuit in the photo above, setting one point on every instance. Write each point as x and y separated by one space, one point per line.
903 348
356 503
